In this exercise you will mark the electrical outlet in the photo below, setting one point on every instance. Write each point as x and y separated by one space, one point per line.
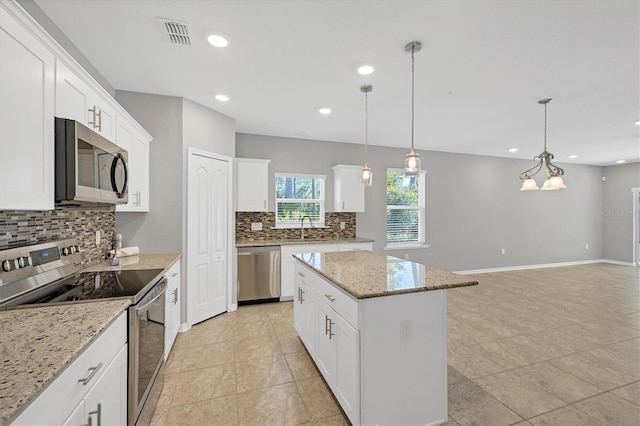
97 282
343 225
256 226
98 234
504 251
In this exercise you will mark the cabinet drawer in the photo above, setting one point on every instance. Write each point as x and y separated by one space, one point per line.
344 305
305 275
67 390
356 246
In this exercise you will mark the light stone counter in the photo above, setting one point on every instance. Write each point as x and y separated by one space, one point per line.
297 241
38 343
141 261
365 274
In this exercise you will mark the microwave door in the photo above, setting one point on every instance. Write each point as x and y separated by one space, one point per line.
114 177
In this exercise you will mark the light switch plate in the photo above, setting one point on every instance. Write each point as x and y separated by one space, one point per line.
256 226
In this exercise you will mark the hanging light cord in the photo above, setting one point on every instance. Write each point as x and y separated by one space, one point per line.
366 127
545 127
413 48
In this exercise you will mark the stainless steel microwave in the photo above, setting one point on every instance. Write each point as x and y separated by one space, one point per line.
88 167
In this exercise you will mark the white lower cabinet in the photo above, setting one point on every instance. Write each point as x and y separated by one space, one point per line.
91 390
384 358
172 307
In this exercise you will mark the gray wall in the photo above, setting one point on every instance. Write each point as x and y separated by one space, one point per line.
617 210
160 230
474 205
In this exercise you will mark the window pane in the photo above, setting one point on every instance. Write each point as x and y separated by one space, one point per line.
401 190
293 212
403 226
298 188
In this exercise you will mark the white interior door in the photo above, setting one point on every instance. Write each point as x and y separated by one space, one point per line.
207 234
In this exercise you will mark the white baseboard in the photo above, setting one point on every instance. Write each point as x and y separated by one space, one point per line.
539 266
233 307
184 327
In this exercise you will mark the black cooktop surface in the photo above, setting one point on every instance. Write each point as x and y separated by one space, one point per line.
106 284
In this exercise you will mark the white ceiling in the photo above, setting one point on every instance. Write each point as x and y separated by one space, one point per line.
483 67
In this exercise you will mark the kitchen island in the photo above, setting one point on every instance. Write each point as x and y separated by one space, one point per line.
376 327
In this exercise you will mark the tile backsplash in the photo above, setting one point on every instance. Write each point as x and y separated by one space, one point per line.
20 228
268 220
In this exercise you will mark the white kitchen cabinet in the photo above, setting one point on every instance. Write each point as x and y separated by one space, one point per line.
348 192
252 179
287 264
27 83
97 377
377 349
136 143
304 316
77 100
355 246
172 307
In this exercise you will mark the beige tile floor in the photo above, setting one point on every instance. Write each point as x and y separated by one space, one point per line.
556 346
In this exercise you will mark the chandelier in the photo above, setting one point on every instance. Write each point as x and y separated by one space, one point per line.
554 173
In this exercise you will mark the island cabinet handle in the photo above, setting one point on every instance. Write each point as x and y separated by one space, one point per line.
97 411
331 333
174 274
328 296
301 274
301 295
93 371
327 321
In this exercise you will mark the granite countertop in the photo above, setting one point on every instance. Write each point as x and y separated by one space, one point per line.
38 343
141 261
365 274
297 241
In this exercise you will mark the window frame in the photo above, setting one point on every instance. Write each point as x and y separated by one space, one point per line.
320 201
421 243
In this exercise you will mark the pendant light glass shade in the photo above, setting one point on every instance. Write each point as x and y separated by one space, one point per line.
554 173
412 159
366 175
412 163
529 184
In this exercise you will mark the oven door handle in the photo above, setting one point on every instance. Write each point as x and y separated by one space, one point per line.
146 306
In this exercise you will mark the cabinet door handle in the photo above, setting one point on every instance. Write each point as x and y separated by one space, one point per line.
331 333
328 296
327 321
175 296
174 274
93 120
97 411
93 371
301 274
301 295
99 115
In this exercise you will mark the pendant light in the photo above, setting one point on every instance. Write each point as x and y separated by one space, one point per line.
554 173
366 175
412 159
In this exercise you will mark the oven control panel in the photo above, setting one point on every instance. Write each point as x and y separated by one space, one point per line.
28 263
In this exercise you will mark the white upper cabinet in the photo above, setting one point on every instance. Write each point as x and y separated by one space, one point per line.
348 192
27 73
252 177
130 138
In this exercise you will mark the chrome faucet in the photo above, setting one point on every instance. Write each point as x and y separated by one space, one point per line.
302 225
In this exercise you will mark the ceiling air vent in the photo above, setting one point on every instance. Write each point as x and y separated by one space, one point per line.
176 32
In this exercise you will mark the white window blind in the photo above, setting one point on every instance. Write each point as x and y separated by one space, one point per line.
298 196
405 208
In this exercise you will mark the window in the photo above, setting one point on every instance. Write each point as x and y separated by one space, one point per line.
405 209
298 196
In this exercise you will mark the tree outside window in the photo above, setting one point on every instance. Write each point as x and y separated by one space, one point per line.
405 208
298 196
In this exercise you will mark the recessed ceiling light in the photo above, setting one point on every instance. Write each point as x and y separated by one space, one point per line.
365 69
513 149
620 161
222 98
217 40
572 155
324 110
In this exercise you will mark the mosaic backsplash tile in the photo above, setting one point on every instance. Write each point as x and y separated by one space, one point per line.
268 219
21 228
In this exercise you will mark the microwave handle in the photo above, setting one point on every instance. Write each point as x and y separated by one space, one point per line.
114 166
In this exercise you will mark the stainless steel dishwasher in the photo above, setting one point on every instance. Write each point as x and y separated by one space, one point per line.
258 273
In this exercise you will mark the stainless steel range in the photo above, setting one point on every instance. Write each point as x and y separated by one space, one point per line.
50 272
